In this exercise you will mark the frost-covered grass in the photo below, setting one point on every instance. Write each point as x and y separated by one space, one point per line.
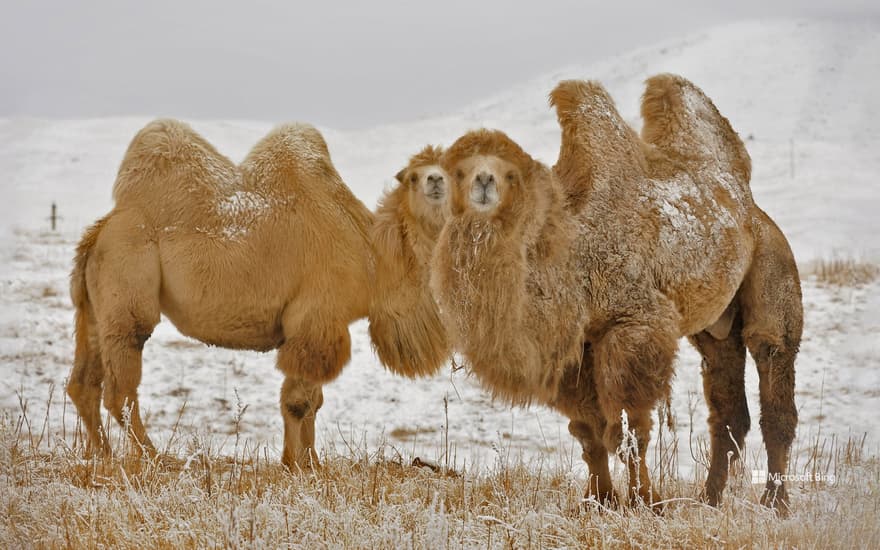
845 271
199 495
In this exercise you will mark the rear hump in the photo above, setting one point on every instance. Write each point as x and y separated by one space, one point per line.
681 121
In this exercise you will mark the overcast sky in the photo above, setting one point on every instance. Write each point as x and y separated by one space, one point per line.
346 67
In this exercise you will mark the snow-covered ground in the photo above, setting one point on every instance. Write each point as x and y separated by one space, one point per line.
802 94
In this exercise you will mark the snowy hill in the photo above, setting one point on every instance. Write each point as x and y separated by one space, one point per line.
802 94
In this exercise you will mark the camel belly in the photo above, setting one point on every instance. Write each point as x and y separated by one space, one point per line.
225 305
252 329
702 301
703 250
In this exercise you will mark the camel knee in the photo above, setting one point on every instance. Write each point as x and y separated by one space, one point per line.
300 402
729 419
776 386
120 393
634 440
580 431
75 391
300 399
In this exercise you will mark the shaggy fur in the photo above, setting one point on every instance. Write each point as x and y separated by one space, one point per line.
405 326
507 329
658 238
272 254
712 230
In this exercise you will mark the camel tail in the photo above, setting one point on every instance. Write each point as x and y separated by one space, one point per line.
681 121
79 293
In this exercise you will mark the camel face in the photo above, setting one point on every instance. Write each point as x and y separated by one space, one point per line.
427 189
427 185
485 180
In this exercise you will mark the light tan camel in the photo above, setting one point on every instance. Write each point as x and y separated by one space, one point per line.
572 287
272 254
405 326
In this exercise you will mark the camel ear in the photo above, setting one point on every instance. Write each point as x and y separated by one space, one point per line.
400 175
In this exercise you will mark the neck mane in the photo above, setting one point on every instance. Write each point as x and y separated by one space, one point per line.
405 325
481 275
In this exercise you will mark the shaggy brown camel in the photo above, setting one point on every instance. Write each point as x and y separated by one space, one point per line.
572 287
272 254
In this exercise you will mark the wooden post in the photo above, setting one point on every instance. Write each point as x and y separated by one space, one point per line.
54 216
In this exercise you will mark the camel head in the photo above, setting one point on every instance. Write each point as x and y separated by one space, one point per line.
490 173
427 184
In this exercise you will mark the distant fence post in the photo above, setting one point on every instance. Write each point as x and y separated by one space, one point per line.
54 216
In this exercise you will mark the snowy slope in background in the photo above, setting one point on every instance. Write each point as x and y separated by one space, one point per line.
797 91
801 91
807 90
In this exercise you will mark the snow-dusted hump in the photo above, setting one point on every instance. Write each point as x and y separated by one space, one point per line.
682 121
295 147
587 104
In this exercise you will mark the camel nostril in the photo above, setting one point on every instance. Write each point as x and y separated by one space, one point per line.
485 178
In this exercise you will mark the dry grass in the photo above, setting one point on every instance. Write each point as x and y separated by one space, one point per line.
844 271
198 497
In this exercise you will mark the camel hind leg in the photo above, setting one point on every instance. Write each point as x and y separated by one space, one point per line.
723 372
770 298
122 356
123 286
86 379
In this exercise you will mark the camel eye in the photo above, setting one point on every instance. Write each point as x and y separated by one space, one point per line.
413 178
511 177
